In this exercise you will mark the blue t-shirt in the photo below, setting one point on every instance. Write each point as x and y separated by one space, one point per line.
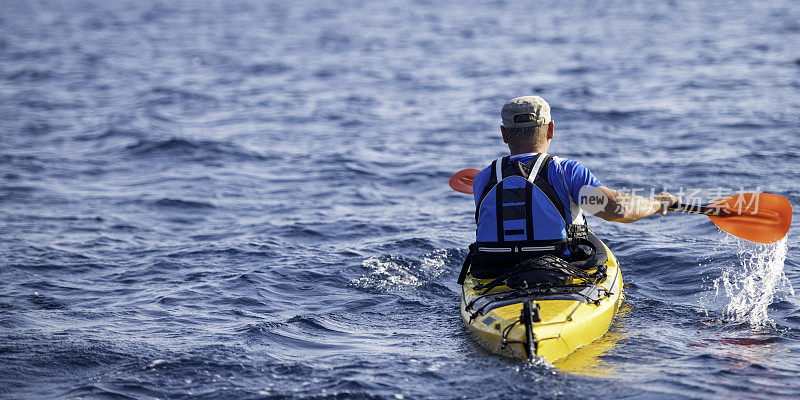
577 176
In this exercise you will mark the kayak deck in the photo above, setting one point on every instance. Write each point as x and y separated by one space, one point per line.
570 317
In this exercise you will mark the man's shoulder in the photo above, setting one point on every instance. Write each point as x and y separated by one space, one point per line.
577 174
567 162
483 174
560 159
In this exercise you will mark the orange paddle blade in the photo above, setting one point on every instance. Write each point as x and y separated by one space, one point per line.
462 180
757 217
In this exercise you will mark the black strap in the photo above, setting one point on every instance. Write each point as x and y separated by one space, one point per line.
529 212
462 276
549 190
505 167
498 195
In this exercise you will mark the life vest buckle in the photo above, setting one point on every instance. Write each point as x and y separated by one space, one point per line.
577 231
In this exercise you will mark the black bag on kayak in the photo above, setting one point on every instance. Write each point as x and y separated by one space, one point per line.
546 270
543 271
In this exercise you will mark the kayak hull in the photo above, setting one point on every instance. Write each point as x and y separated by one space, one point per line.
567 322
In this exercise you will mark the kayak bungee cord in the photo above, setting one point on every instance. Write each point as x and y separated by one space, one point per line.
517 294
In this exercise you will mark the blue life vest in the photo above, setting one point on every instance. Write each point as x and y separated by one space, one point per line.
521 215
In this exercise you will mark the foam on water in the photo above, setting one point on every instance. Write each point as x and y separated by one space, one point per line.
750 285
392 272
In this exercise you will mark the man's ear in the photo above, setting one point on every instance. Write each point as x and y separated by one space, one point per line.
505 133
551 130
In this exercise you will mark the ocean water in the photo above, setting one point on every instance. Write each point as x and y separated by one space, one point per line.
249 199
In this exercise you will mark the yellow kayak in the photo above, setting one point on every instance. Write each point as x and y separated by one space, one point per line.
561 320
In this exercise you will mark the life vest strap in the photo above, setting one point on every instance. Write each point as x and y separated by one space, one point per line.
537 166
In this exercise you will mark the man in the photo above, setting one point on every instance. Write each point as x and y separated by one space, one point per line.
528 203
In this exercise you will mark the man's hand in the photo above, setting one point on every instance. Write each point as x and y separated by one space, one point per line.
667 200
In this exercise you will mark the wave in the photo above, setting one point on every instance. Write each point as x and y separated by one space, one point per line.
194 150
185 204
267 68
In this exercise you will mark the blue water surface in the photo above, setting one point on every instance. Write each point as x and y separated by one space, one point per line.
249 199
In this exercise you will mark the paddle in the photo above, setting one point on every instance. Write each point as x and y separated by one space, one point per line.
462 180
757 217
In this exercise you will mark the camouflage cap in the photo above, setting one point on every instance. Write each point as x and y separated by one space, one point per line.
525 111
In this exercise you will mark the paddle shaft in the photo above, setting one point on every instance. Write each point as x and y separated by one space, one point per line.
696 209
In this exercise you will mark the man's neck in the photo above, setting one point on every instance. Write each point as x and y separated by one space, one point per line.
527 149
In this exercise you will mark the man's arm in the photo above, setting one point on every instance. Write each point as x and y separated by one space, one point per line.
610 204
626 207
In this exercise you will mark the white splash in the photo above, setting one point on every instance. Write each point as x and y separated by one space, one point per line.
751 286
395 272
